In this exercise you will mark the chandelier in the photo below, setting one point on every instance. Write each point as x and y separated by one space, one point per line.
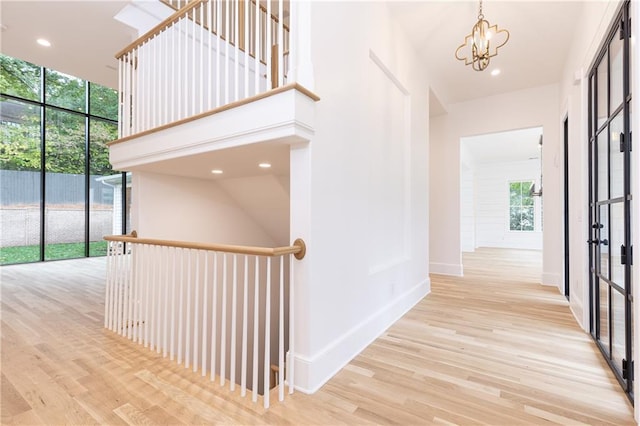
482 44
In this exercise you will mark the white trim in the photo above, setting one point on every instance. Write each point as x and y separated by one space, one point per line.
552 279
313 372
287 117
446 269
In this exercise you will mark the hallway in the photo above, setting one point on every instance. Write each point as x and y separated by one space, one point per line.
493 347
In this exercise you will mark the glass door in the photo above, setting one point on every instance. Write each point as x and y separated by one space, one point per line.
610 201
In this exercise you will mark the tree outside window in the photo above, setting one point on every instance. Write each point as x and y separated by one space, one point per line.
521 206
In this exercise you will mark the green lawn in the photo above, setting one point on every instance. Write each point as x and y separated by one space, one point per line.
24 254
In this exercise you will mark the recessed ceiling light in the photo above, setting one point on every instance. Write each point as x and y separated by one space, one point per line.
43 42
264 165
217 171
495 72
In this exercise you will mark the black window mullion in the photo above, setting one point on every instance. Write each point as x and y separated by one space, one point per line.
43 174
87 171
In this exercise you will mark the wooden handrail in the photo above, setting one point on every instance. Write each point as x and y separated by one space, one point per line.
298 249
175 17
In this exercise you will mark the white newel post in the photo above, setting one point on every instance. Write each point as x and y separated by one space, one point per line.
301 68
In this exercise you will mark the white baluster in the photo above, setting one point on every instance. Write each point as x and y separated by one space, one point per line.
174 256
147 297
107 289
153 321
121 132
185 61
187 354
243 374
196 305
247 24
258 44
210 52
201 91
268 45
126 295
281 334
267 334
280 52
218 52
181 305
291 359
193 62
227 45
119 287
165 313
223 321
256 314
214 316
205 316
234 300
236 51
136 292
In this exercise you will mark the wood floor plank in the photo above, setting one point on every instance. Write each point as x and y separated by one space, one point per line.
493 347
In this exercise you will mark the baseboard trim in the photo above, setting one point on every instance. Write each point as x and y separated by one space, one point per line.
311 373
551 279
446 269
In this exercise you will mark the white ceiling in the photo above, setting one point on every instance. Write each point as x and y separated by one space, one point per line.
234 162
541 33
85 37
514 145
83 34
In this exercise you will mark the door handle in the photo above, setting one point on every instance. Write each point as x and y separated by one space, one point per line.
604 242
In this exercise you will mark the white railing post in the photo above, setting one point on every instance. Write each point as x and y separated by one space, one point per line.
300 65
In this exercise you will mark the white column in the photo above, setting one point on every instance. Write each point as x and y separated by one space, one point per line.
301 67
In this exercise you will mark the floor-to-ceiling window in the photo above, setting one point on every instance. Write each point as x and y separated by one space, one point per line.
610 200
59 195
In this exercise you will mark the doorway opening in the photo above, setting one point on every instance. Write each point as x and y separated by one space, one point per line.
501 193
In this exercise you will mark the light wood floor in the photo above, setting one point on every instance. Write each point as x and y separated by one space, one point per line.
493 348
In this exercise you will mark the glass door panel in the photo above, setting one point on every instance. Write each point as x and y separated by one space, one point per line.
616 157
602 93
603 167
616 73
603 329
616 241
610 202
602 242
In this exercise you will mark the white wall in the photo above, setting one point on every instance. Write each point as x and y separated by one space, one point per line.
467 209
537 106
491 186
180 208
359 188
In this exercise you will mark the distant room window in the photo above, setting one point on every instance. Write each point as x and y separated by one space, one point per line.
521 206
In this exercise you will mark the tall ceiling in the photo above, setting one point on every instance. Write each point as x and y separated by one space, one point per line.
85 37
541 33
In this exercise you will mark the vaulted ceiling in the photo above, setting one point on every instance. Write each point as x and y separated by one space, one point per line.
85 37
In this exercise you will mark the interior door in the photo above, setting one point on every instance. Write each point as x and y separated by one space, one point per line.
610 201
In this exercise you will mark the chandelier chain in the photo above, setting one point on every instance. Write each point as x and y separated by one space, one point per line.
480 15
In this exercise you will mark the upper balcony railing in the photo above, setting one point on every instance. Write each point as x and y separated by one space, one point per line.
208 54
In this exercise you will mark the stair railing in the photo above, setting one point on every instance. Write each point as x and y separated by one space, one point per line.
208 54
223 310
